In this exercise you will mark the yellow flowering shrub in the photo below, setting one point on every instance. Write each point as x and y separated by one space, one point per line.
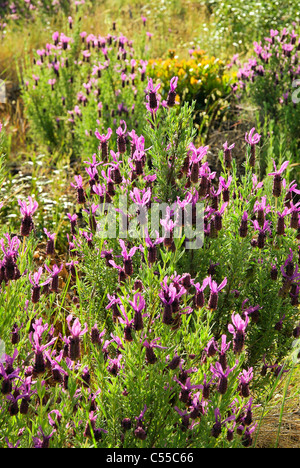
200 78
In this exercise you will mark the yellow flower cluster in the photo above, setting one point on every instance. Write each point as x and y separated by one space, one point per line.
198 74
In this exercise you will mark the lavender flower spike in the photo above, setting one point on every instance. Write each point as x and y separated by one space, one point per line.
214 290
127 257
138 304
36 286
76 332
104 142
151 90
80 190
277 183
252 140
222 376
237 328
227 154
172 92
27 211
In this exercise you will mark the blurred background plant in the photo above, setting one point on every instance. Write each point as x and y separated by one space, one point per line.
236 25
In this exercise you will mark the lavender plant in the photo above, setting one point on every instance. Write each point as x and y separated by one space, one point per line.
269 77
135 336
81 80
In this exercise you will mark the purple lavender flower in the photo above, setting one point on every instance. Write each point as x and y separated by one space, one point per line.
225 187
9 361
104 142
35 338
206 387
74 341
278 325
294 212
50 243
251 311
280 229
72 267
222 351
214 292
7 376
247 438
26 391
150 355
121 272
152 95
43 440
54 276
151 246
121 140
277 183
96 336
198 299
217 217
217 427
237 329
172 92
9 268
243 229
128 324
27 211
289 192
140 432
252 139
168 225
114 365
93 176
261 208
227 154
54 422
294 295
138 304
289 270
127 257
73 220
36 285
170 296
261 233
245 378
186 388
185 418
222 375
81 199
197 154
10 445
211 348
142 199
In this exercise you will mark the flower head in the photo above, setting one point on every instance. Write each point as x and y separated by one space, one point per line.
251 138
237 329
27 210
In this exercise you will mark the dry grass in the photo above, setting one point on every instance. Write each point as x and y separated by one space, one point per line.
289 436
280 425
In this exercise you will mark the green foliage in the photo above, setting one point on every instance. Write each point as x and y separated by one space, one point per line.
169 134
240 23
